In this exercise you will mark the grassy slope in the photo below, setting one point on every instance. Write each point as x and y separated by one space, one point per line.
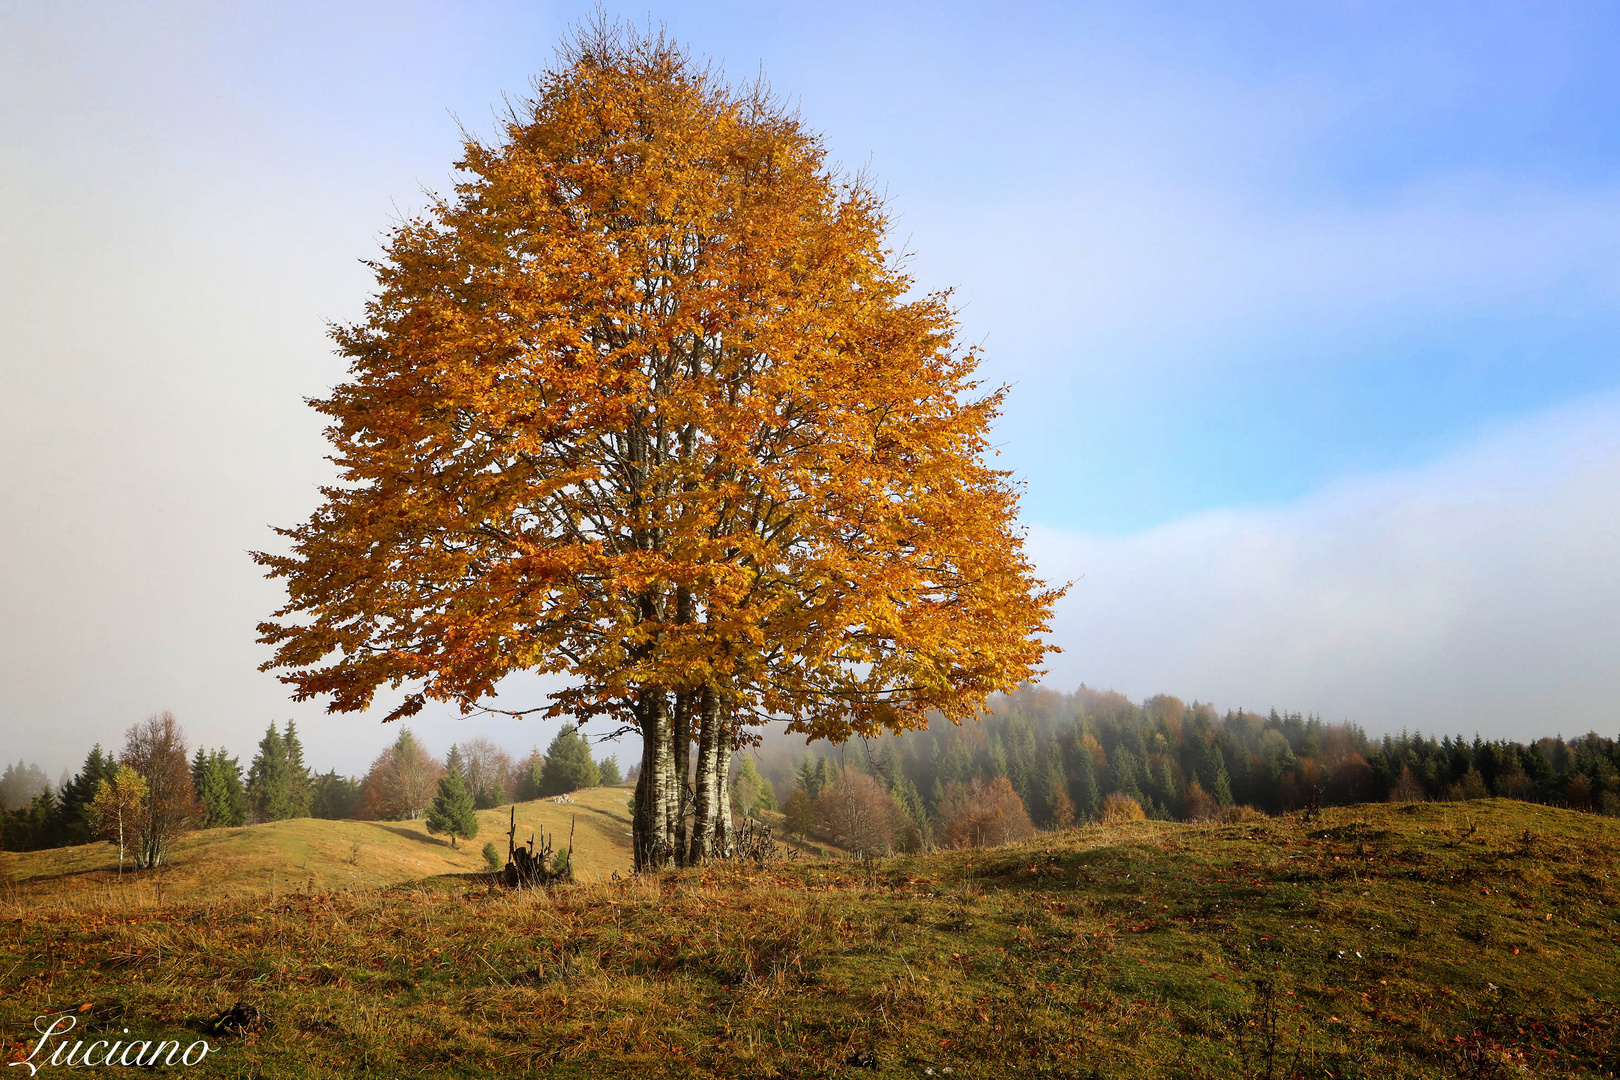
306 853
1423 941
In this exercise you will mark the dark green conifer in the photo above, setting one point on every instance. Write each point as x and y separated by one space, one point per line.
568 764
451 810
217 778
75 798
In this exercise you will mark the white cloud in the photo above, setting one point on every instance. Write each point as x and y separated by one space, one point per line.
1479 593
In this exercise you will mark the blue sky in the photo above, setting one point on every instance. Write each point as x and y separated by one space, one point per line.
1244 265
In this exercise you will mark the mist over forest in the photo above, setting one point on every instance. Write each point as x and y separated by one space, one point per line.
1040 760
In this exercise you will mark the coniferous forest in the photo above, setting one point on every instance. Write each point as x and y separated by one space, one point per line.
1041 759
1066 755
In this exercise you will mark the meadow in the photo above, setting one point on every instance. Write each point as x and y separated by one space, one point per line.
1472 939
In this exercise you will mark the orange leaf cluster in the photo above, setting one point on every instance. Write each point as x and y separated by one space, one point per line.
648 402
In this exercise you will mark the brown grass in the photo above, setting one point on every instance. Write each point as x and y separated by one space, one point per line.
1421 941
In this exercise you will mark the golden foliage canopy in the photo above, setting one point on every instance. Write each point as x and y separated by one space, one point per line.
648 402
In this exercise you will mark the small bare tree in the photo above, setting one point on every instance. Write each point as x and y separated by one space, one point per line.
489 772
981 814
857 814
156 748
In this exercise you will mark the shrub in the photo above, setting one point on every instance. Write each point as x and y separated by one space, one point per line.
1198 804
1407 788
800 812
981 814
492 857
855 813
1117 809
1471 786
1515 784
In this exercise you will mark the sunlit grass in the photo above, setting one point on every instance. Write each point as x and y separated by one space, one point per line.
1405 942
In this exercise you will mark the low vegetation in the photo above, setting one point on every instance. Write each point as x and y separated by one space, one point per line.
1425 940
310 855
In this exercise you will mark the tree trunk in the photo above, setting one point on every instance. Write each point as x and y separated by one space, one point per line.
651 833
711 827
721 843
682 739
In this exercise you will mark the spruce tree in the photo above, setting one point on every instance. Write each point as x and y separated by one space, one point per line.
824 777
299 788
609 768
267 778
1055 802
808 778
75 798
1084 790
1125 781
1165 782
278 780
334 797
218 780
530 772
1222 787
568 764
451 810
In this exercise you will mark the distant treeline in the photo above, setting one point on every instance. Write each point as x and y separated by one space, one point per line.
212 790
1041 758
1064 754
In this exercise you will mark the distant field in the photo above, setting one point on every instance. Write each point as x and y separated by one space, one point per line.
1437 941
306 853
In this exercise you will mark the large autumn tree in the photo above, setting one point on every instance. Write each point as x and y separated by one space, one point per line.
649 403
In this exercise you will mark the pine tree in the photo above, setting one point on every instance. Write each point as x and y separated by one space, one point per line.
609 768
451 810
1222 787
218 780
1083 789
568 764
267 778
75 798
530 771
299 789
278 780
334 797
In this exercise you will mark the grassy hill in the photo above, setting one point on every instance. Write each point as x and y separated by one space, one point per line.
306 854
1437 940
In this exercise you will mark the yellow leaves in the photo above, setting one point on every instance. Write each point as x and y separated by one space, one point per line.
652 350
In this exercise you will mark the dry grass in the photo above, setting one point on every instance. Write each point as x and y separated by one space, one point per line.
309 855
1428 941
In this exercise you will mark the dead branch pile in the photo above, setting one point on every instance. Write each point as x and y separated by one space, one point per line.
530 865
